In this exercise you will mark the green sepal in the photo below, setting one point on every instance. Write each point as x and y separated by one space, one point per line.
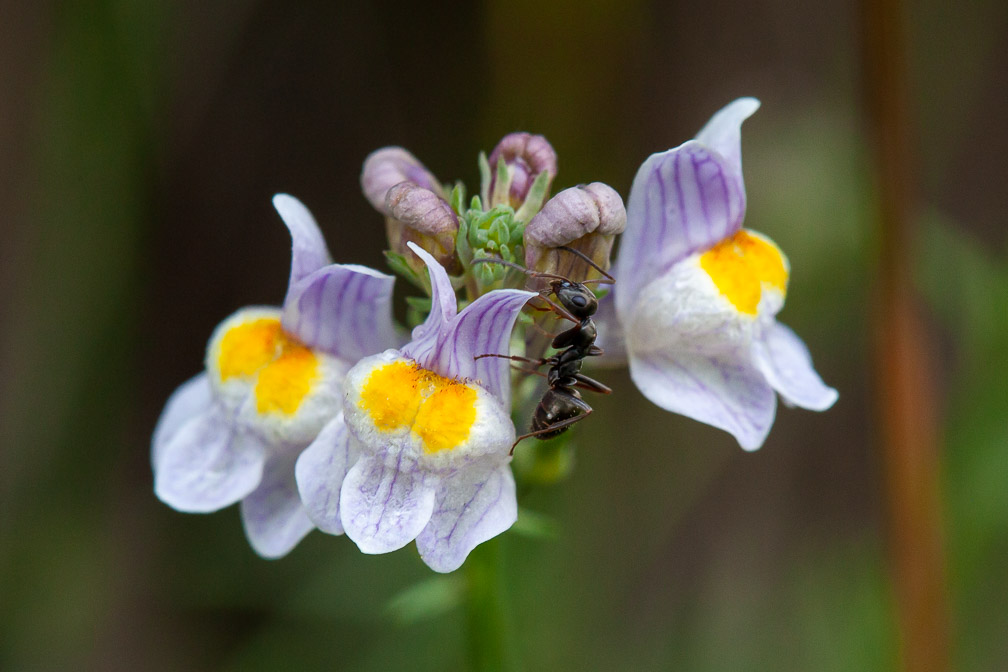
400 266
457 198
534 200
503 184
484 169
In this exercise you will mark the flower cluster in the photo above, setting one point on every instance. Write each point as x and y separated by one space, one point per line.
322 413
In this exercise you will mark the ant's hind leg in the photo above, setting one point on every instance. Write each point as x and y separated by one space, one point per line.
560 424
586 383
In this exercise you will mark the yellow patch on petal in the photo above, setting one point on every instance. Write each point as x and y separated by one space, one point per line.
285 382
741 265
391 396
441 411
446 416
248 347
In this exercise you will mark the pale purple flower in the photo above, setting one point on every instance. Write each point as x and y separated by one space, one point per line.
421 451
273 379
696 296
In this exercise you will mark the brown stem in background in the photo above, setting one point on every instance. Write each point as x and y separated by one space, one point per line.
905 385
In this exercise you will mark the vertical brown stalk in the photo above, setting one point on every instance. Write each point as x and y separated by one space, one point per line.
904 381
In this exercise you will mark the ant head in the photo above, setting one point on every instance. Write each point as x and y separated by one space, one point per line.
575 297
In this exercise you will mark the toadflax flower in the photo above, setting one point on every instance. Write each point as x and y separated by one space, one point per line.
273 379
422 448
696 295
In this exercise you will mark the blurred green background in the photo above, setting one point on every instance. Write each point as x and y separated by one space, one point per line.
140 143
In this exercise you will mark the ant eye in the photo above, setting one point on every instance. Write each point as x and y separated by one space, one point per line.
579 301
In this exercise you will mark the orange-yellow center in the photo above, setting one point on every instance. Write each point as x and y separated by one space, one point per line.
284 369
439 410
741 266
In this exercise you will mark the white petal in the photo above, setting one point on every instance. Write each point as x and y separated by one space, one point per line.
472 506
274 519
384 504
721 391
320 471
787 365
207 465
308 248
190 399
723 133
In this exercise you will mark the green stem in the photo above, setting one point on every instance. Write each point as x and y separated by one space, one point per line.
488 632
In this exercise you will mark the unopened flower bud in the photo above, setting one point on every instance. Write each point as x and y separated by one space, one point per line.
428 220
525 157
383 169
586 218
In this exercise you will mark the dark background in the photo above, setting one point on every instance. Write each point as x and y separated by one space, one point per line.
140 143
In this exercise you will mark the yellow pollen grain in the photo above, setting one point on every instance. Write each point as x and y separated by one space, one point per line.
441 411
248 347
446 416
741 265
285 382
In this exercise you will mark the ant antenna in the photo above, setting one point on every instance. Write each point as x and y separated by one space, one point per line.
533 274
588 260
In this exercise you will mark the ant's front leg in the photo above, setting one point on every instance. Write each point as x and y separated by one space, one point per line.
516 358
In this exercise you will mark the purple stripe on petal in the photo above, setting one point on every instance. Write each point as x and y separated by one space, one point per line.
678 205
385 507
726 393
345 310
473 506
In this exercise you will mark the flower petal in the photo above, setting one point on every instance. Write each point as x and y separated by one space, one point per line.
274 519
483 327
787 365
473 505
610 337
443 306
386 167
682 201
723 133
385 502
343 309
207 464
722 392
320 471
309 252
189 400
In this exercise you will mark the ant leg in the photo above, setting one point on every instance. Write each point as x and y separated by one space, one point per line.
586 383
516 358
559 310
559 424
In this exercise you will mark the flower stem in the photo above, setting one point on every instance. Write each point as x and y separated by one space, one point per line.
488 632
906 389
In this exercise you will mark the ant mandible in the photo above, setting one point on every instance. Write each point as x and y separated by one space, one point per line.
561 405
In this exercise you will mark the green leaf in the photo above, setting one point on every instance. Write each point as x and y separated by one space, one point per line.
425 600
400 266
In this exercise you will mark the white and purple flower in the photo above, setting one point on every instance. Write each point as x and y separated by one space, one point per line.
421 451
696 295
273 379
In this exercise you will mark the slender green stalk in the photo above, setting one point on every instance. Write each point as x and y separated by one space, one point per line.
489 638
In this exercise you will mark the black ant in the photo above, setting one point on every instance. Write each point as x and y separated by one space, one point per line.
561 405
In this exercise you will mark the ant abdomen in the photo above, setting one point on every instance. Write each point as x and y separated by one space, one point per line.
555 407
